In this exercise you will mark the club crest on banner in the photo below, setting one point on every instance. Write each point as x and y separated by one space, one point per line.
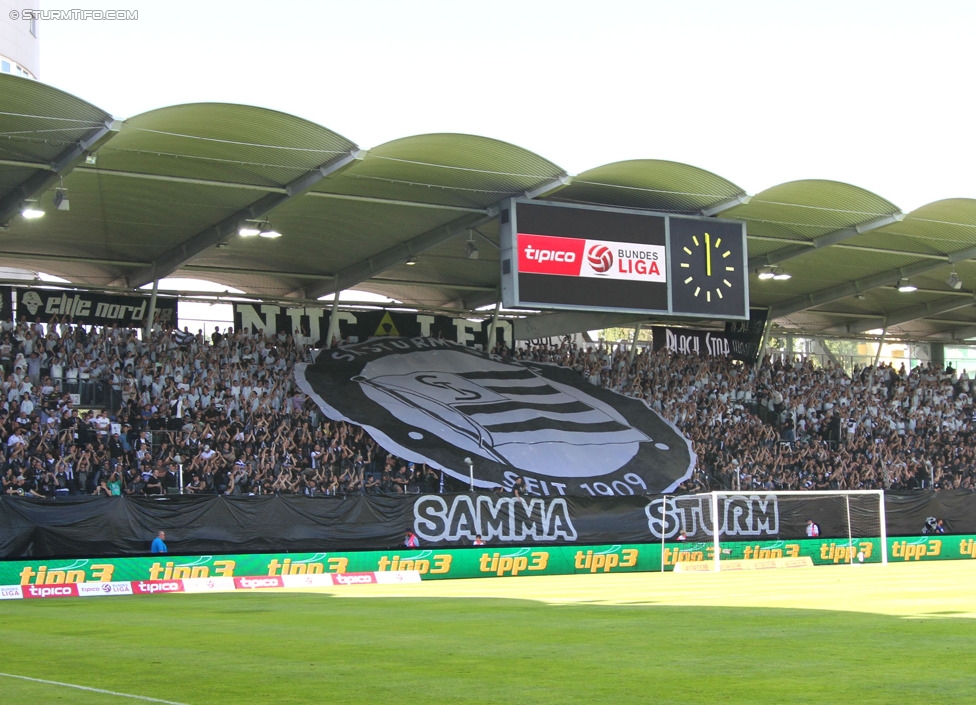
438 402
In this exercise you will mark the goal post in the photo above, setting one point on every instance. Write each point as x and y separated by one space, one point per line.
849 521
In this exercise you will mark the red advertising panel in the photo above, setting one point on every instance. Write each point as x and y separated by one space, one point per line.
267 581
353 578
42 591
151 587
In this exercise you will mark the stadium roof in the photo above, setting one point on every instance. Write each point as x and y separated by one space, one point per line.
163 194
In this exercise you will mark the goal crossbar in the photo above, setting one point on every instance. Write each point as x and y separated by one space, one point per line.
879 528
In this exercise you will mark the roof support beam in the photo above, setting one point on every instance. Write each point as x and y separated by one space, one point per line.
825 240
721 206
180 179
266 189
484 299
566 323
961 334
886 278
211 269
905 316
24 165
845 246
442 285
40 181
550 187
394 202
38 256
176 257
361 271
824 350
381 261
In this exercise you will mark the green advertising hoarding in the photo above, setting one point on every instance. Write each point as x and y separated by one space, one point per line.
480 562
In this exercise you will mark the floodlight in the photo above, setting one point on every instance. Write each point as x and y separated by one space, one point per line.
773 273
470 249
906 286
954 281
31 210
269 232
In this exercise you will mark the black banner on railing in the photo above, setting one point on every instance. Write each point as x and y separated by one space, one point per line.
739 341
92 308
118 526
745 337
754 326
357 326
7 303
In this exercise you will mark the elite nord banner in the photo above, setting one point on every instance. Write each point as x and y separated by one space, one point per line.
86 307
436 402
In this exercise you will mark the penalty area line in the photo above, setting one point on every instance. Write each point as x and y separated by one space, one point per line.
92 690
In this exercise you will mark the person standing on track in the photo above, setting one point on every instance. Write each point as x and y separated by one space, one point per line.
410 539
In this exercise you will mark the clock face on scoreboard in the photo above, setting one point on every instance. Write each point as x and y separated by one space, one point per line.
708 268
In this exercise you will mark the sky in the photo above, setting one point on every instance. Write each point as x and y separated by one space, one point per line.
874 93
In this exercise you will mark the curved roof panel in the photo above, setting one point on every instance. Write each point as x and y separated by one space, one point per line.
165 191
233 144
38 121
462 171
651 184
802 210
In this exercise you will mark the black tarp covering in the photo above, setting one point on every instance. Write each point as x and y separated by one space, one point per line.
120 526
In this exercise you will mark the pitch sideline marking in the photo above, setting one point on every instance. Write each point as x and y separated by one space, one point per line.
92 690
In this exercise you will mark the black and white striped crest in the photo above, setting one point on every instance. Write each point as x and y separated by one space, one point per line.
437 402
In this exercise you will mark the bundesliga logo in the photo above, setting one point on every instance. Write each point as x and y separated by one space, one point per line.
440 403
600 258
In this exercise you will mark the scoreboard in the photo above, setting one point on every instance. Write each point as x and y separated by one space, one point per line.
582 258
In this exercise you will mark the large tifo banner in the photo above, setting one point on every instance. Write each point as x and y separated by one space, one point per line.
84 527
90 308
487 420
173 573
357 326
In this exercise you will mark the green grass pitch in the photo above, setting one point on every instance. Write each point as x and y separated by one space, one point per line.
901 633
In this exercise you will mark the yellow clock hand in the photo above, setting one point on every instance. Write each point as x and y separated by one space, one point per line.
708 256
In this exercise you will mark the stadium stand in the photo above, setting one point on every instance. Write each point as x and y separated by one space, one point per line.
99 411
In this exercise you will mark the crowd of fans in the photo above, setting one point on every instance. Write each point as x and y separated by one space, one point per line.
220 415
223 415
791 425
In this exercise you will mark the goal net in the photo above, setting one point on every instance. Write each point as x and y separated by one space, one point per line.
828 527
